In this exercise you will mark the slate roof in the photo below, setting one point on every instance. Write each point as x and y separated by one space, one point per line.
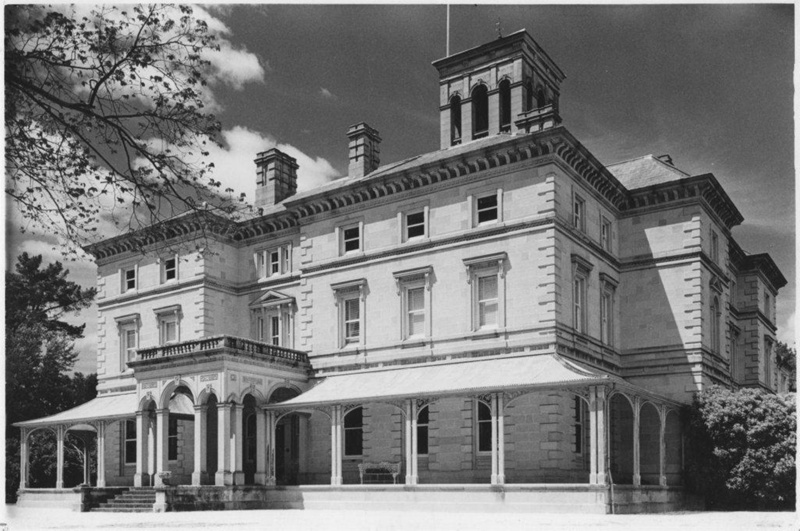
645 171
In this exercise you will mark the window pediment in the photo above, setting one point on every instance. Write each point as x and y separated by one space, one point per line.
272 298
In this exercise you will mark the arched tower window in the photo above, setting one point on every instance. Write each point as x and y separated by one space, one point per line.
455 120
480 112
541 101
505 106
528 96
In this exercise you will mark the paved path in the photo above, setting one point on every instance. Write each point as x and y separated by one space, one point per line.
15 519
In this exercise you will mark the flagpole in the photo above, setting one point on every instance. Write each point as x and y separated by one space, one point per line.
447 52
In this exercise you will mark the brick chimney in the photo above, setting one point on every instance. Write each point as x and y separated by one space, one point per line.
364 149
277 177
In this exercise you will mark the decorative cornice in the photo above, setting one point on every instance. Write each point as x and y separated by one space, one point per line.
700 187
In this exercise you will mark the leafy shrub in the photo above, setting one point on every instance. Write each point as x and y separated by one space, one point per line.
741 449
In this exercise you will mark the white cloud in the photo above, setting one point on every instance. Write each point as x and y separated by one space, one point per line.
327 94
235 169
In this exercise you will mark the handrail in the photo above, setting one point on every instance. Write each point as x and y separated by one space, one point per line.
208 344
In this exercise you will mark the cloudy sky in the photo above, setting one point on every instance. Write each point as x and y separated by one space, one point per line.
710 85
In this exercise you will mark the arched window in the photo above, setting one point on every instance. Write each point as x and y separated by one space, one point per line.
540 98
528 96
455 120
480 111
484 428
353 432
505 106
715 317
423 420
250 445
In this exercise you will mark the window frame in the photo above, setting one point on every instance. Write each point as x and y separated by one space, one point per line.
504 105
344 292
128 457
423 431
172 438
407 226
406 281
263 261
580 417
608 293
605 233
482 424
125 281
359 226
456 122
714 247
767 305
348 433
716 314
581 273
482 267
164 317
578 212
479 106
165 269
128 353
264 330
768 364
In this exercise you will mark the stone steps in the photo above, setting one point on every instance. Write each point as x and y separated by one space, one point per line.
139 500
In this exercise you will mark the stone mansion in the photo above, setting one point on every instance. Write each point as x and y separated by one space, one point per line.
504 320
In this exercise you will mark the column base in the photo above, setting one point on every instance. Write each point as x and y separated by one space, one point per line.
494 479
662 481
501 479
199 478
222 479
637 480
101 483
238 478
59 484
336 480
271 481
260 478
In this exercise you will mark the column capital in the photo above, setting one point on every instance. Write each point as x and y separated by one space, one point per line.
201 407
162 411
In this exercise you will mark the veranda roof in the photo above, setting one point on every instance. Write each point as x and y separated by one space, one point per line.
103 407
107 407
450 378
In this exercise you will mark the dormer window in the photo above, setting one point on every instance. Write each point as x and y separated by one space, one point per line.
480 112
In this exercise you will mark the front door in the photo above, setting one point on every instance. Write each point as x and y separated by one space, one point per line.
287 450
249 448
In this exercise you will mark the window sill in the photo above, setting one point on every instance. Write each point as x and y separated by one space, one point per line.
485 333
414 342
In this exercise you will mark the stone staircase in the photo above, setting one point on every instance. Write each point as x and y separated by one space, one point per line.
136 500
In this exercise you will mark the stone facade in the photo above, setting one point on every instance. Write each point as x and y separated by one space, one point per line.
509 241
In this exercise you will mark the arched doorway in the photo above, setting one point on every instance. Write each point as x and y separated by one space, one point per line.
211 439
249 439
649 444
621 433
287 441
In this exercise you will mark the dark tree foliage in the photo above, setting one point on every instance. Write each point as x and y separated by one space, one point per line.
39 356
106 114
741 449
41 297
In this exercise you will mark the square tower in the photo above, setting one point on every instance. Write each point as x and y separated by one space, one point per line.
507 85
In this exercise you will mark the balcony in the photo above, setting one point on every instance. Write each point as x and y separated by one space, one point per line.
208 346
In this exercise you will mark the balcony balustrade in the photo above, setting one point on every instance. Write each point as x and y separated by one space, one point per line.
236 346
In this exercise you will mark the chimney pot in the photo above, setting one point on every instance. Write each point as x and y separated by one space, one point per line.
364 144
276 178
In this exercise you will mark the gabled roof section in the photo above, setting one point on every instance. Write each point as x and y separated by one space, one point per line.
645 171
271 297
